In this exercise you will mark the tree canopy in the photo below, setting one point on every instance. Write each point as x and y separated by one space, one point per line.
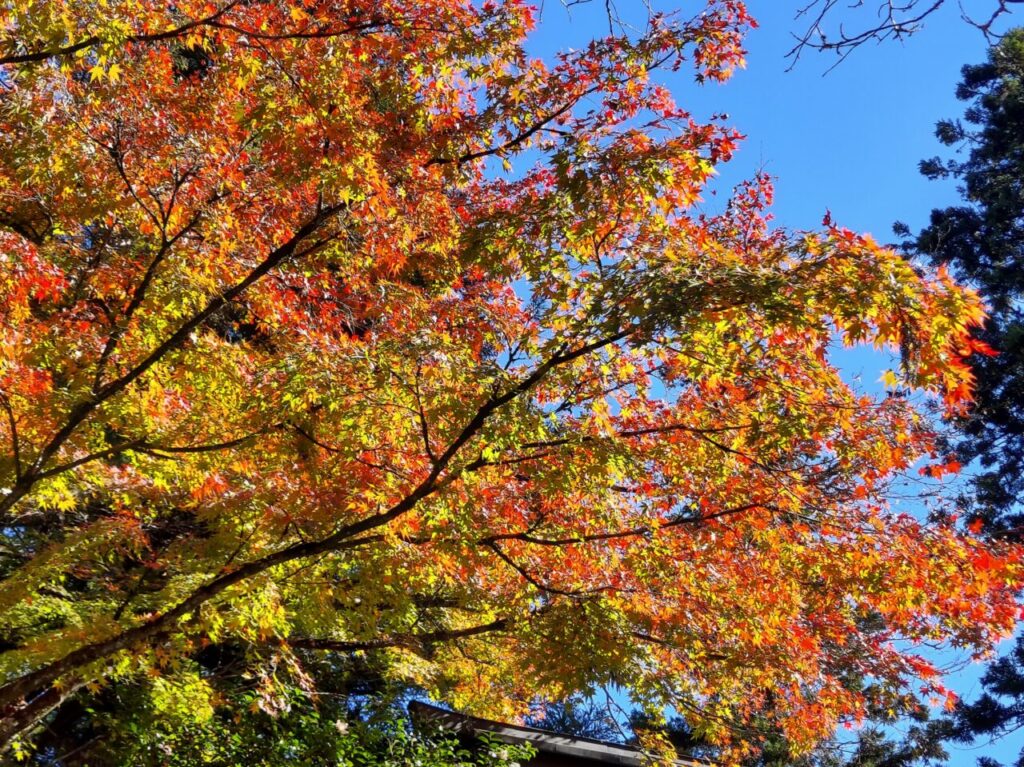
344 328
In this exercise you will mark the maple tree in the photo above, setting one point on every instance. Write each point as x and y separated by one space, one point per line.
344 326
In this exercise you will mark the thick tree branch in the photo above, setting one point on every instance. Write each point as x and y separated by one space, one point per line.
13 724
68 50
12 425
348 537
415 642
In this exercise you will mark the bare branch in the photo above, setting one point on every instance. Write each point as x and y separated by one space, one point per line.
826 29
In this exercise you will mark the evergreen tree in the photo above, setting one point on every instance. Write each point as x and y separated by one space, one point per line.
982 241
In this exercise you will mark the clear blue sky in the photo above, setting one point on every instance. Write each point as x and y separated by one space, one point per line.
849 141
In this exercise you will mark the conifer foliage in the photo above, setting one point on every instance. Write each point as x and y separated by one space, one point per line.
344 326
982 241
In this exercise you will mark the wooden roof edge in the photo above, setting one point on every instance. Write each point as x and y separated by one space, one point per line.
543 740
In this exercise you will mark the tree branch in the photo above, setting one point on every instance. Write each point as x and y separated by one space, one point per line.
348 537
43 55
81 411
415 642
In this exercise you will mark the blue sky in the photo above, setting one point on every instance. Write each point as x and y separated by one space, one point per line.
848 141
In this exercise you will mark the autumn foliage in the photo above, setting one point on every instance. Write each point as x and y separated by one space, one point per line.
345 326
